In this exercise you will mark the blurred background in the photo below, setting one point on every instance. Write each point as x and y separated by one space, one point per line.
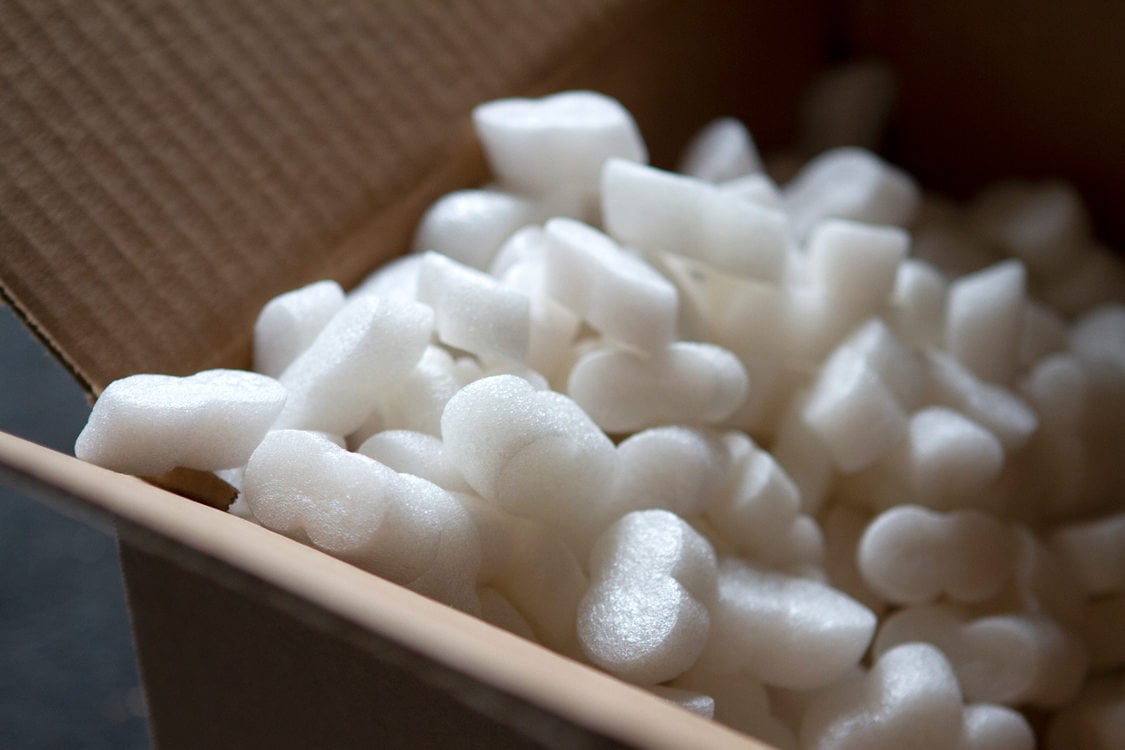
68 677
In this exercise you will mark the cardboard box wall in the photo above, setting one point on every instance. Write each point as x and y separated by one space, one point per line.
168 167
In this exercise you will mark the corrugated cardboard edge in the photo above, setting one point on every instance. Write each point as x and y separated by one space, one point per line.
314 586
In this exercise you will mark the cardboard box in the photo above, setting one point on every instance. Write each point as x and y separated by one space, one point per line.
168 168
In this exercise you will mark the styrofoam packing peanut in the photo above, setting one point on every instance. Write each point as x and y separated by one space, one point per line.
615 292
416 400
901 371
1094 721
688 383
847 105
645 616
757 188
988 727
760 507
679 469
470 225
801 452
843 529
742 703
910 698
1101 632
853 413
525 245
855 262
1011 659
789 706
367 347
983 319
545 581
496 609
994 407
1099 335
689 700
538 146
151 424
1043 224
722 150
1043 332
474 311
303 485
1094 552
849 183
913 555
786 631
1056 388
536 453
533 377
453 575
417 453
396 279
952 248
949 459
1095 278
290 322
918 303
1041 584
657 211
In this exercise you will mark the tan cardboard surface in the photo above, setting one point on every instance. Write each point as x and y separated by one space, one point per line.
319 590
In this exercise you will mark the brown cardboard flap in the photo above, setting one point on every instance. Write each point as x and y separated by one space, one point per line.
429 639
166 168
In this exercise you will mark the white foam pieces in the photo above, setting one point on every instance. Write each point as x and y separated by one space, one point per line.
289 323
742 703
396 279
983 320
909 699
1042 224
689 700
150 424
1094 552
786 631
417 400
535 453
849 183
417 453
988 727
496 609
722 150
1013 659
913 555
661 212
1056 388
452 576
368 346
645 617
918 303
803 455
900 370
999 410
558 142
473 311
470 225
757 188
843 529
949 459
675 468
758 510
615 292
299 483
852 412
687 383
856 263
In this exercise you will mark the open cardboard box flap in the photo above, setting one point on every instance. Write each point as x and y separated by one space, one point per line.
166 170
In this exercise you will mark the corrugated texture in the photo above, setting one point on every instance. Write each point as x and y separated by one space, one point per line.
165 166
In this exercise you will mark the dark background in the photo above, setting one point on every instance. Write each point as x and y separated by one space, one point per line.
68 677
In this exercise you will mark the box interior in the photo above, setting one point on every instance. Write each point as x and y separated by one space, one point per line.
165 173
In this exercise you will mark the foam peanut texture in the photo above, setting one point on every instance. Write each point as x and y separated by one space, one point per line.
645 616
150 424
